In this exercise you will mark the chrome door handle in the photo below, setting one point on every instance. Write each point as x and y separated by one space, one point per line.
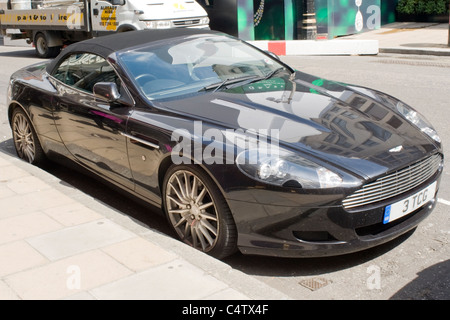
139 140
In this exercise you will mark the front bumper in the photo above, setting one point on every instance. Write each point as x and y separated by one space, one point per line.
293 231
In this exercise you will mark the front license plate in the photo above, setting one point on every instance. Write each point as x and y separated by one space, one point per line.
410 204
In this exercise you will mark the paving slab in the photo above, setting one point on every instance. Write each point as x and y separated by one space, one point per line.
26 225
66 277
171 281
21 256
139 254
31 202
72 214
73 240
6 293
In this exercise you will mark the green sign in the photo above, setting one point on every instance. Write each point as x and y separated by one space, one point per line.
266 19
343 17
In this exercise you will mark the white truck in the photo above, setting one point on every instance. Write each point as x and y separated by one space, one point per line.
52 24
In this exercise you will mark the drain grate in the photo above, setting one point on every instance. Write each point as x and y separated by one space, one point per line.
314 284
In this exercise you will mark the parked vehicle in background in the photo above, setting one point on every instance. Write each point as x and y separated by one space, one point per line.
51 24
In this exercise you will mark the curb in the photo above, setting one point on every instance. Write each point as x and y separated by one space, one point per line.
431 52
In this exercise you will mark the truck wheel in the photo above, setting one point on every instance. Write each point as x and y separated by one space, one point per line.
42 48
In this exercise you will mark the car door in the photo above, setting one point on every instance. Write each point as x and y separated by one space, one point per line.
91 127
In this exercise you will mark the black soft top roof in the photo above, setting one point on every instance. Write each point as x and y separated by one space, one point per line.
105 45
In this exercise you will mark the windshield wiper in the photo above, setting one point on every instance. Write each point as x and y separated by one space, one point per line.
272 73
219 85
267 76
254 78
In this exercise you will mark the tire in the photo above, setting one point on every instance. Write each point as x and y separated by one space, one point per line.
42 48
26 142
198 212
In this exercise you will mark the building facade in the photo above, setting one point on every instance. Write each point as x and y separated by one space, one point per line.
283 19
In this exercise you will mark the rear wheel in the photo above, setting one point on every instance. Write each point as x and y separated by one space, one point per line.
42 48
25 139
198 212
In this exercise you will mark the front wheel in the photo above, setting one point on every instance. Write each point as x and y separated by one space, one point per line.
198 212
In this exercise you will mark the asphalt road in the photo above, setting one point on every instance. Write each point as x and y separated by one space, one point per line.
415 266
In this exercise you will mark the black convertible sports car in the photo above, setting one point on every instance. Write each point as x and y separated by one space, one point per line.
238 149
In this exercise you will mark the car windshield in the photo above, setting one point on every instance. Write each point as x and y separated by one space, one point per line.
193 66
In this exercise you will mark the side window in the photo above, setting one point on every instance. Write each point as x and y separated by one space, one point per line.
83 70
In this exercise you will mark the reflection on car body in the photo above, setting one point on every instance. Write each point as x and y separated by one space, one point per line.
239 150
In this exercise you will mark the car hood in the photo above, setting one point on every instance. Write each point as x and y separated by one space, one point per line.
352 127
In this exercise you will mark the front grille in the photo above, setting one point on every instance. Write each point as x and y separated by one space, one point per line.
395 183
186 23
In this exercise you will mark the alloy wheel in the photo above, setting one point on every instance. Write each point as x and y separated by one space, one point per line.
24 138
191 210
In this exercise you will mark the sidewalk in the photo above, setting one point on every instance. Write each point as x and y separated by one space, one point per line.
58 243
409 38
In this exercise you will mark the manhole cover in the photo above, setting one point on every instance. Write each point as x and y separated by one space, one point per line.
314 284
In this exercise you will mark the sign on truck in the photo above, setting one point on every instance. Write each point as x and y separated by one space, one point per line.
51 24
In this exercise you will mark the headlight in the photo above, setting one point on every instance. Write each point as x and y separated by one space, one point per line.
159 24
418 120
204 20
286 169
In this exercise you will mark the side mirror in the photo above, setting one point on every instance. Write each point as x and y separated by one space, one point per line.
118 2
107 91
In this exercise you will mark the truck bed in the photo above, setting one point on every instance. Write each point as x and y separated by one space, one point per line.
54 15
